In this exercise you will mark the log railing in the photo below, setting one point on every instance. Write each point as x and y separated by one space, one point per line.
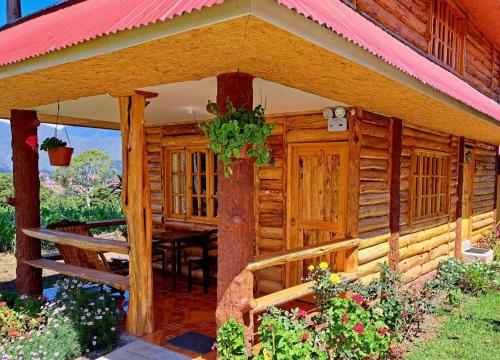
84 242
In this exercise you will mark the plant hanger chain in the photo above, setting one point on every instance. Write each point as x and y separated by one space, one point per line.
59 117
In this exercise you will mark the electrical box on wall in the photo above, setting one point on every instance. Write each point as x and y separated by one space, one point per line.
336 119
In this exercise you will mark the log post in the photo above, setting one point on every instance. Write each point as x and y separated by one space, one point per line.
395 183
13 10
236 214
136 203
496 209
24 124
460 194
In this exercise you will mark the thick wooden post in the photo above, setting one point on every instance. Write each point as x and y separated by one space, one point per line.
460 194
13 10
26 200
496 209
136 202
236 213
395 182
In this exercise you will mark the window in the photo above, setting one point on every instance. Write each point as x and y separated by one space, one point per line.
447 34
429 185
191 184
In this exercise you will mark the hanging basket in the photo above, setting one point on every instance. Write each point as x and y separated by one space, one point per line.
60 156
243 151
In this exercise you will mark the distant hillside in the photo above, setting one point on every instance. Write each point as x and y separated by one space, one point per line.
108 141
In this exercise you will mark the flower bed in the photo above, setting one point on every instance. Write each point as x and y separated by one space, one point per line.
355 321
82 318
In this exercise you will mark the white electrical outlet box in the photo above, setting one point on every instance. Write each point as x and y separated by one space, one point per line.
337 124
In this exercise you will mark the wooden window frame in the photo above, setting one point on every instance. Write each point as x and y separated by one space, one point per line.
211 177
459 44
446 177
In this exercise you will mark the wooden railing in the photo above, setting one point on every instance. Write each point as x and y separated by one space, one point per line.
94 244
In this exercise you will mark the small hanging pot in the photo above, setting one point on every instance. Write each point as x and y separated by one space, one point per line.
60 156
244 151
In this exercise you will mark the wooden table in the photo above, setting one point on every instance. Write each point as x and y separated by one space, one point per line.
175 238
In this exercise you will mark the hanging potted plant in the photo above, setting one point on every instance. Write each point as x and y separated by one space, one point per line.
59 153
240 133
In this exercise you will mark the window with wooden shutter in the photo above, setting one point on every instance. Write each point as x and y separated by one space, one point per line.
191 184
447 30
430 178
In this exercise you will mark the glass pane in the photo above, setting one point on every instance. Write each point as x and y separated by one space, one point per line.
203 206
203 184
203 160
183 205
183 184
195 161
175 184
175 162
195 206
175 205
195 185
183 162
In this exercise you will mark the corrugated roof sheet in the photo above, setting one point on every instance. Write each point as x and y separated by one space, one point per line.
354 27
86 20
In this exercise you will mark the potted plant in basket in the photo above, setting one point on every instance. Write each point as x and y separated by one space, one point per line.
240 133
59 153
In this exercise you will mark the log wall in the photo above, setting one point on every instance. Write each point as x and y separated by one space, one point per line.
483 190
421 245
409 20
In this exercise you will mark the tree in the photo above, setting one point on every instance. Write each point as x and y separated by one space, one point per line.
88 171
6 187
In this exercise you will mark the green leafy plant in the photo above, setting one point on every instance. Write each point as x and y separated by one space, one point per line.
230 341
454 297
228 133
52 143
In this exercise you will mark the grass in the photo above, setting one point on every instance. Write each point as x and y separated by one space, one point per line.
473 333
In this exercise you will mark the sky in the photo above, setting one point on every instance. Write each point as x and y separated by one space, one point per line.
27 7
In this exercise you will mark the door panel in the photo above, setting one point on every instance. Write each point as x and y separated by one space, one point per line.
317 187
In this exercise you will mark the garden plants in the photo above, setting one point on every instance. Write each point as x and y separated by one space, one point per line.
238 133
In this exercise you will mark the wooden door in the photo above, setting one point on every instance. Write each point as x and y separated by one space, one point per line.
317 188
467 200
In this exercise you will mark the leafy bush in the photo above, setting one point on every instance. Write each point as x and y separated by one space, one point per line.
491 240
7 229
231 341
52 143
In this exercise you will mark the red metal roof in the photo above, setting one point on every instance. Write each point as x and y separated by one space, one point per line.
86 20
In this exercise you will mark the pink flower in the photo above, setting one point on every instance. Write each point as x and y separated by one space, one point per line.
358 298
345 319
3 303
301 314
404 314
13 333
359 328
32 142
382 331
304 337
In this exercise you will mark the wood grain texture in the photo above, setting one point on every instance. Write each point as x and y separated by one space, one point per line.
26 200
395 184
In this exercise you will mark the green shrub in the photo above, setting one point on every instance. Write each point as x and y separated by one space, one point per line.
454 297
7 229
231 341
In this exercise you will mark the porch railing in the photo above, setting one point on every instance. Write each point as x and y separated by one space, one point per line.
84 243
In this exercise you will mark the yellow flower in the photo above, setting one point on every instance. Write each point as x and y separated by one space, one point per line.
310 268
266 355
323 265
334 279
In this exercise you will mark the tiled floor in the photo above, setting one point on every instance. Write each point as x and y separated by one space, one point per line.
178 312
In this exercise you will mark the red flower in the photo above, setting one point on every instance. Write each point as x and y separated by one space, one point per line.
345 319
304 337
32 142
404 314
359 328
13 333
3 303
344 295
382 331
358 298
301 314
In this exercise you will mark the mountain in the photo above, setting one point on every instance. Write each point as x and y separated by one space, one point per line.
108 141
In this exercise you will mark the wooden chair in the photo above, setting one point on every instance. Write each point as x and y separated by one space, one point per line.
82 257
198 260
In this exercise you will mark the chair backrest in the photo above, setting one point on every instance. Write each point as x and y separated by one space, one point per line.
76 256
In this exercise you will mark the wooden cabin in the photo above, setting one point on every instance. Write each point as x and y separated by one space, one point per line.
413 176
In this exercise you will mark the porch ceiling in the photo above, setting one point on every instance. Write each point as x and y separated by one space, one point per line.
253 45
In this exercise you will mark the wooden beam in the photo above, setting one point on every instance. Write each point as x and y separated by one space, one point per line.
305 252
396 130
236 216
13 10
105 223
24 125
76 121
79 241
119 282
460 194
136 203
497 179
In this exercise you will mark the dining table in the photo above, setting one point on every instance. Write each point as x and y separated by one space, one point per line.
177 239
